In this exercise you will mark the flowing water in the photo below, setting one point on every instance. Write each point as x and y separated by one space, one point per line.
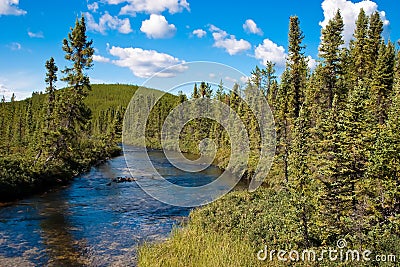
90 222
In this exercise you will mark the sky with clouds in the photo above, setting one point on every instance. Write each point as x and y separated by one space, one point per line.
134 39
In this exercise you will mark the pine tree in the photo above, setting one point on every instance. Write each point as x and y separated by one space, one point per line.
51 78
220 94
195 93
384 169
257 78
359 49
335 192
297 66
330 53
283 123
374 37
79 51
205 90
382 81
271 85
302 186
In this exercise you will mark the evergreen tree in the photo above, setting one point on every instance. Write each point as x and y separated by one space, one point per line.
79 51
220 94
359 49
301 184
205 90
283 122
51 78
382 81
195 93
374 38
384 169
330 53
257 78
297 67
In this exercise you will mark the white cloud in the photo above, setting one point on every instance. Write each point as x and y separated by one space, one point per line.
106 22
145 63
99 58
35 34
15 46
230 79
7 93
157 27
4 91
311 63
10 7
132 7
199 33
270 51
93 7
244 79
349 11
251 27
229 42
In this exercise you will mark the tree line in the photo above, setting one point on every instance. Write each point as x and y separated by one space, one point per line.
48 138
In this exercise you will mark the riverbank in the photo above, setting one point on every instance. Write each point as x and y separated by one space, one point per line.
89 223
19 180
232 230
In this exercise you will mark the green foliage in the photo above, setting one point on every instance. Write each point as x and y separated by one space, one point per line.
336 171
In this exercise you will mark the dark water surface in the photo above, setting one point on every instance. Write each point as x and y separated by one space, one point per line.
90 223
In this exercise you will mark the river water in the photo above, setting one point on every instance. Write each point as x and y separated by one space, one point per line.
92 223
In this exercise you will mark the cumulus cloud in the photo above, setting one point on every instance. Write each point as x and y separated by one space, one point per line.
93 7
99 58
146 63
106 22
251 27
311 63
229 42
199 33
349 11
35 34
10 7
132 7
157 27
270 51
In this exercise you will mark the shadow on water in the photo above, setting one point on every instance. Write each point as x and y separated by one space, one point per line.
90 222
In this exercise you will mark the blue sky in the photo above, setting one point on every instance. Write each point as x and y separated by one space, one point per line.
136 38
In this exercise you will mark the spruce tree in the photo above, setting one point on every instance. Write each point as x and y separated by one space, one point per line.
302 185
359 49
79 52
51 78
195 93
219 94
382 81
384 169
330 53
296 66
374 37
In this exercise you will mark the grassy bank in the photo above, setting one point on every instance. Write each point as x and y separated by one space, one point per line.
230 232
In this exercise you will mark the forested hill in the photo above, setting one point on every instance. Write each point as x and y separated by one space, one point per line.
28 162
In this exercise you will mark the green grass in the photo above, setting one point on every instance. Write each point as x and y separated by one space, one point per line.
230 232
193 247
